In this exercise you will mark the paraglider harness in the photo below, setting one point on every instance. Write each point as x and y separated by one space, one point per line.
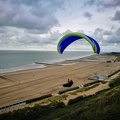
69 84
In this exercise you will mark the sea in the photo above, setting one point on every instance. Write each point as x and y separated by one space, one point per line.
15 60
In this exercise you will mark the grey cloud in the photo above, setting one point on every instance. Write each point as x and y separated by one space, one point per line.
67 31
52 5
3 29
115 37
88 15
102 5
81 31
26 39
112 37
55 36
118 32
111 3
36 31
89 2
107 32
98 32
33 14
116 16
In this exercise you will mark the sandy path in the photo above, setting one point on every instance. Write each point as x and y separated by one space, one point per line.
23 85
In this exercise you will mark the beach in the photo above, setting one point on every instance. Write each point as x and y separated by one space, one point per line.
27 84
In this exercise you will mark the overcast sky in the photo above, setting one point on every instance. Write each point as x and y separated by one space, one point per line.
39 24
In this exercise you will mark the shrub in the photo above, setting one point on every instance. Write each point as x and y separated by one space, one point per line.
57 104
77 99
90 87
118 59
104 82
101 91
115 82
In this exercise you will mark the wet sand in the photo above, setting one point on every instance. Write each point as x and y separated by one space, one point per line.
23 85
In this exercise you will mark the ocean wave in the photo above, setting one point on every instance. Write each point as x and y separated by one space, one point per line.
19 68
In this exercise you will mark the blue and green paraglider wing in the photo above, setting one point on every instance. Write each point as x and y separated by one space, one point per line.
69 38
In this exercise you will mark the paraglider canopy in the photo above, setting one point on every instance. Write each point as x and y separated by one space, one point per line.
69 38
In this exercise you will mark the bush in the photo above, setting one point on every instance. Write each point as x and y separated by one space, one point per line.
115 82
104 82
118 59
102 91
90 87
111 84
58 104
77 99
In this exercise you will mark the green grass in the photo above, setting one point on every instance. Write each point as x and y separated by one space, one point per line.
115 82
118 59
84 89
53 99
90 87
104 105
104 82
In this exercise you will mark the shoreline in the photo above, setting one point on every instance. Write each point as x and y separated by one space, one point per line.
27 84
39 65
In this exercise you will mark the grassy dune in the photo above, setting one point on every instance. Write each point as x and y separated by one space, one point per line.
118 59
104 105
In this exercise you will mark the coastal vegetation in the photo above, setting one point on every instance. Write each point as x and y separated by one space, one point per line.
104 105
118 58
84 89
115 82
